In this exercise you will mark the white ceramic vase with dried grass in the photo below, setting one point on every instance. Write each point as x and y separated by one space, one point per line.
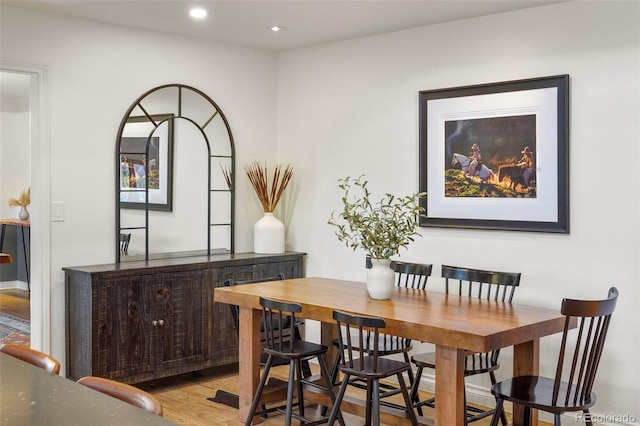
22 201
268 235
269 231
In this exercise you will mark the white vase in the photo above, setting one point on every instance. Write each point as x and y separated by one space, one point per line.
381 280
23 214
268 235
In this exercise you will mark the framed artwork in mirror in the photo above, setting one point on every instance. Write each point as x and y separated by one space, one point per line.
495 156
146 159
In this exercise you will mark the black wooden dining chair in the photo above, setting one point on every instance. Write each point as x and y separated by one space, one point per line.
367 365
235 315
124 243
410 276
227 398
555 395
278 316
489 285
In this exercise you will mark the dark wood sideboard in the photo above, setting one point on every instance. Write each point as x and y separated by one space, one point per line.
143 320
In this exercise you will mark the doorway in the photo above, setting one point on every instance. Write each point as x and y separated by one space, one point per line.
37 168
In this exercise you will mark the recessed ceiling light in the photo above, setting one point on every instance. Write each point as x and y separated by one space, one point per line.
277 28
198 13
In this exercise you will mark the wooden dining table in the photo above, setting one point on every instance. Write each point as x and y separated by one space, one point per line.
455 324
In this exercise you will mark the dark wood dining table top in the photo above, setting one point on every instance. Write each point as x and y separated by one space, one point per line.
32 396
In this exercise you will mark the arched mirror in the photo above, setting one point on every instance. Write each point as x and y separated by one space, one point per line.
174 176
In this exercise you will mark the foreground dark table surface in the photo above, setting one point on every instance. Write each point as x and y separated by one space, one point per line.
31 396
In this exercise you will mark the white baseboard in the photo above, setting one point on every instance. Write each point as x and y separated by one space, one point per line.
7 285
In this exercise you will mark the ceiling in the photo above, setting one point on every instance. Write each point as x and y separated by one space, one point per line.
308 22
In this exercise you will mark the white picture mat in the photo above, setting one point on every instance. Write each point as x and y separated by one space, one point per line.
159 195
542 103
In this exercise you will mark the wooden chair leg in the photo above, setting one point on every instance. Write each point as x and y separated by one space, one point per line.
415 394
410 371
329 384
289 412
376 403
498 412
334 367
407 400
527 416
299 376
587 416
503 416
256 398
336 405
368 403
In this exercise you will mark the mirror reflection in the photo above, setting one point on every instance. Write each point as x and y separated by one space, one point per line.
175 168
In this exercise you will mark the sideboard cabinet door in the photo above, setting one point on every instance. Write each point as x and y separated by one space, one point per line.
181 317
125 335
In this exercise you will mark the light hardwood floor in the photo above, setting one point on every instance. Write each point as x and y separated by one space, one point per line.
184 399
15 302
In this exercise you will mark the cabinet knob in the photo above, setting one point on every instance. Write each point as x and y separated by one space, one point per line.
154 323
161 323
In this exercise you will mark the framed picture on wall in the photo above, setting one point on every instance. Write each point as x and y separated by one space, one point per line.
139 167
495 156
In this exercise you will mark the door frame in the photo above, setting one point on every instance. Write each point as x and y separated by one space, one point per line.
40 232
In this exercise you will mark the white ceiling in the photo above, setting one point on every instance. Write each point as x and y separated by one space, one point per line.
247 22
308 22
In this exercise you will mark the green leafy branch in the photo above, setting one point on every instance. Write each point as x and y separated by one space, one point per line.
381 228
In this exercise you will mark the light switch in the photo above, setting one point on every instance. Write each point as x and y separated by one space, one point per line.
57 211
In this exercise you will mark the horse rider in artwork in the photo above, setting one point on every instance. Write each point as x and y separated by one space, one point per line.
476 160
527 165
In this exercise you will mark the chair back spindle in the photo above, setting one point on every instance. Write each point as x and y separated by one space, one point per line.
409 275
124 243
362 328
279 319
593 319
235 309
570 390
497 286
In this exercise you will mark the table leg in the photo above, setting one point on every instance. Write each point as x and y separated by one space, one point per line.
26 258
4 228
249 358
526 361
328 333
450 408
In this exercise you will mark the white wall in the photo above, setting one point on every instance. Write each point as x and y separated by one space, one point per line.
14 155
351 108
94 73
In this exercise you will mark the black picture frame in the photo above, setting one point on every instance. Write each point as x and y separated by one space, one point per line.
502 119
158 130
